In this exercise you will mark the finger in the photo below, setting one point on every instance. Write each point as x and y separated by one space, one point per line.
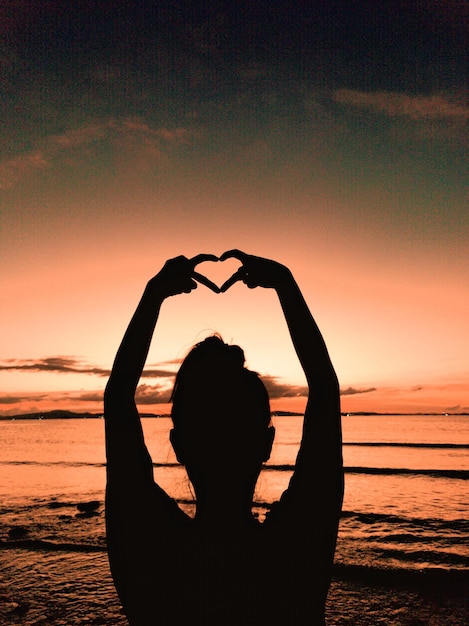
190 286
205 281
201 258
235 254
239 275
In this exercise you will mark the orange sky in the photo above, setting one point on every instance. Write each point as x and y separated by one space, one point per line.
357 183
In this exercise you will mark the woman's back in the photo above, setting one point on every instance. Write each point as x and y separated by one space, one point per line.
170 569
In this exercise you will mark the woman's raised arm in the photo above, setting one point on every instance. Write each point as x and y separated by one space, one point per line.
127 456
318 471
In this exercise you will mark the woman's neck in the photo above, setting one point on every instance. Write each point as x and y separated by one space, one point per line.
224 507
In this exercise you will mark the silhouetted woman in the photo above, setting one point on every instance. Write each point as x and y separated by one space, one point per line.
222 567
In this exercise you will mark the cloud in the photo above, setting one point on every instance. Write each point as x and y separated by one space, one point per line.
17 399
54 397
80 137
152 394
13 170
351 391
57 364
457 408
71 365
135 146
158 373
394 104
278 389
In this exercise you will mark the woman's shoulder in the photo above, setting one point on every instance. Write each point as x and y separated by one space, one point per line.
145 507
294 515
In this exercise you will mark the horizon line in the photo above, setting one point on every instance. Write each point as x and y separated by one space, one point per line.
66 414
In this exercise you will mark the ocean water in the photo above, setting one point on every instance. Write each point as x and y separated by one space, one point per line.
406 506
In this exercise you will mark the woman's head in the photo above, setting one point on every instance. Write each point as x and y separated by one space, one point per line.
220 409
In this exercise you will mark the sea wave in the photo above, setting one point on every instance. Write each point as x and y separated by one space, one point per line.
417 523
451 571
379 540
403 471
438 578
386 471
50 546
285 467
54 463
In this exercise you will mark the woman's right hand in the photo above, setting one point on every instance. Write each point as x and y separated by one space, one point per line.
256 271
178 275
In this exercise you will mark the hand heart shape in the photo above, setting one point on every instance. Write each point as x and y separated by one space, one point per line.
218 274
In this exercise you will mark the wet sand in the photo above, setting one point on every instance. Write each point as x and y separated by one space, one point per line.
40 588
403 603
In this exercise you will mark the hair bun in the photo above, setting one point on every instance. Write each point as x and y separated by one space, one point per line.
235 355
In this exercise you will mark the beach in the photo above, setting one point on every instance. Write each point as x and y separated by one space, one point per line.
74 588
401 560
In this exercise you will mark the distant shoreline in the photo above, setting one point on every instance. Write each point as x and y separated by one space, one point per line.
58 414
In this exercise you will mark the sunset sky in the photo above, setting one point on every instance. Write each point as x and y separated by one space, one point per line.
330 136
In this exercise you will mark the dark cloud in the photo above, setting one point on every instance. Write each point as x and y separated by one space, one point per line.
417 107
17 399
457 408
278 389
119 54
71 365
58 364
351 391
88 396
152 394
161 393
132 146
122 85
158 373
